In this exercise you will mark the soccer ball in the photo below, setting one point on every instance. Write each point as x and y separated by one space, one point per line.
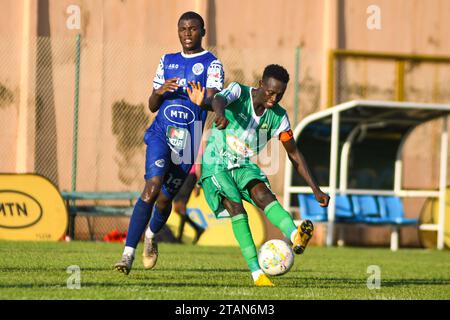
275 257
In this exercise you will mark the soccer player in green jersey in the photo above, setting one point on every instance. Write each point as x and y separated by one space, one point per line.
228 174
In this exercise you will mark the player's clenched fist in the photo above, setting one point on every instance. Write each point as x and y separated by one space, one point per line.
221 122
322 198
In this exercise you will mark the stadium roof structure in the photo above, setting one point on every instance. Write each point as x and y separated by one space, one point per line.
356 148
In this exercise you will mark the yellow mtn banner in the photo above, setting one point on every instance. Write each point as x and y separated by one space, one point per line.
31 208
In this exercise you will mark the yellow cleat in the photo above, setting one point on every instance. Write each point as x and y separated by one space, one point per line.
150 253
304 233
263 281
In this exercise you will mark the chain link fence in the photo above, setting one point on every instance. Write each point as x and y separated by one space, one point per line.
37 108
38 113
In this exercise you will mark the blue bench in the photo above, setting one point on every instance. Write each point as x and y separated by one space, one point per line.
365 209
311 210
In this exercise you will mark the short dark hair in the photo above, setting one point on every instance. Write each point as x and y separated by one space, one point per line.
276 71
191 15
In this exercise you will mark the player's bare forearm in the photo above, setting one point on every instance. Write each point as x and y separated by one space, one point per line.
300 165
154 101
157 97
218 105
207 103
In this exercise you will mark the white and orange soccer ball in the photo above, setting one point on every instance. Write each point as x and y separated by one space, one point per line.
275 257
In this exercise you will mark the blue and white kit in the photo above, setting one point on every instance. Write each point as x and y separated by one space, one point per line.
173 139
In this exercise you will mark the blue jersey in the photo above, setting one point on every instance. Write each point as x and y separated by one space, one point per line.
178 119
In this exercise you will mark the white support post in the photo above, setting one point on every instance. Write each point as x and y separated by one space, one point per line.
344 159
395 236
333 176
341 241
398 174
442 184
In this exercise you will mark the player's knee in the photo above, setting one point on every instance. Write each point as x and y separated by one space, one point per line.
234 208
262 196
151 190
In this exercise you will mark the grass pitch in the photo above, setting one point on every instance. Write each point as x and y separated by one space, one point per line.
38 270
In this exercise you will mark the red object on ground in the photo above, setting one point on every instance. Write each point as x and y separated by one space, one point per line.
115 236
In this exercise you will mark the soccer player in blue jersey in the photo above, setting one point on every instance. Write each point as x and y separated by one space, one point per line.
174 137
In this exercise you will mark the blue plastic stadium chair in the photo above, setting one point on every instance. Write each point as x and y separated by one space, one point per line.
310 208
392 207
367 210
344 210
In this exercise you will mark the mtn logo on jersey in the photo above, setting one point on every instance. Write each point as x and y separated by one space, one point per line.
198 68
179 114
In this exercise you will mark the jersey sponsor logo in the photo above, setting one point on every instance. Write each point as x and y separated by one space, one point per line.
173 66
179 114
198 68
239 147
177 137
160 163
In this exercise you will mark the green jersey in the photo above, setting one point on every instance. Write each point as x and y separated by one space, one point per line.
246 134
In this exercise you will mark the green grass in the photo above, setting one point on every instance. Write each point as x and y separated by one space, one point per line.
38 270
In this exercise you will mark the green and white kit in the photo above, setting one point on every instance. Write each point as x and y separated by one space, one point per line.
226 165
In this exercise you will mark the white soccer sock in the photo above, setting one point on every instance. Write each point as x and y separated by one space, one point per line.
149 233
129 251
256 274
294 232
293 235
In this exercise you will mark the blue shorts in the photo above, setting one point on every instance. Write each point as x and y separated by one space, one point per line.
159 161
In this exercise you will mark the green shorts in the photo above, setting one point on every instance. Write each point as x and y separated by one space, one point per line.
230 184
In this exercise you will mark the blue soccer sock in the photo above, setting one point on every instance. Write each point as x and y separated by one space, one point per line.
159 218
138 222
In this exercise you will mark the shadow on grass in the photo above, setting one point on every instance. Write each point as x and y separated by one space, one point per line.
304 283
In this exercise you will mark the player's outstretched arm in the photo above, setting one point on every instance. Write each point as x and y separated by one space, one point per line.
218 103
299 163
156 98
197 93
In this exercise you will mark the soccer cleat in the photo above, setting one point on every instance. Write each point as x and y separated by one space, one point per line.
124 265
263 281
304 233
150 253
